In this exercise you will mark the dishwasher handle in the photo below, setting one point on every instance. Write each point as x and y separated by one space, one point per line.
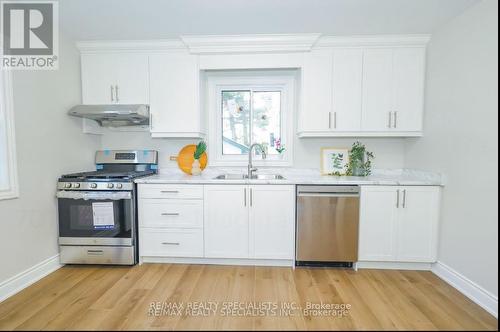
310 194
328 190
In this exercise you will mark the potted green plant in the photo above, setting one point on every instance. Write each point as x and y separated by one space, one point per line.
200 150
360 160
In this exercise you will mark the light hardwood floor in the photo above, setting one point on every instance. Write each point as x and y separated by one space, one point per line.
119 298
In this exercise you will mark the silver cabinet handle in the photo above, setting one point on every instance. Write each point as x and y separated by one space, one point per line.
398 200
389 125
404 199
116 93
95 252
329 120
245 197
395 119
251 197
170 214
335 120
170 243
169 191
112 93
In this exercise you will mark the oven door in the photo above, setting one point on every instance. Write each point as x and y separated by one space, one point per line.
96 218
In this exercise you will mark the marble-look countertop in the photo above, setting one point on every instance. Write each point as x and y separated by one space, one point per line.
399 177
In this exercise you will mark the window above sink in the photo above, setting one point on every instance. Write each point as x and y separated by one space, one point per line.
247 107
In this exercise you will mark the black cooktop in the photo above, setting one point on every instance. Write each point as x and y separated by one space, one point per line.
106 175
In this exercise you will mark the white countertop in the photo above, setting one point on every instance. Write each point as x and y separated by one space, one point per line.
299 176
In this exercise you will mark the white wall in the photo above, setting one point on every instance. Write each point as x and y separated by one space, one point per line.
461 140
49 143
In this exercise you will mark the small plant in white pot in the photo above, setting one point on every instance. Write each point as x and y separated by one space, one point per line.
360 160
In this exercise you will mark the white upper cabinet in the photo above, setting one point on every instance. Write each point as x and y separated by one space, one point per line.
377 90
393 90
315 115
331 85
362 92
399 224
175 95
114 78
347 90
409 75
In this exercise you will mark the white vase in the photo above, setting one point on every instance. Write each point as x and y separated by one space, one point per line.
196 169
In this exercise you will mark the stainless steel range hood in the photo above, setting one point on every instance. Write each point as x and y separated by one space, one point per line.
113 115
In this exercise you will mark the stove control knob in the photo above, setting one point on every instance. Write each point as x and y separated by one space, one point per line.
110 185
119 185
76 185
93 185
67 185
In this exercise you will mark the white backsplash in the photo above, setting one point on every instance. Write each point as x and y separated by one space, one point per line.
389 152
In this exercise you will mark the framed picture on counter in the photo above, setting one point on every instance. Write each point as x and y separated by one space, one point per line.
334 161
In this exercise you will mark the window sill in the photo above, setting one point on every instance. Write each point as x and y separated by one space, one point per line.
9 194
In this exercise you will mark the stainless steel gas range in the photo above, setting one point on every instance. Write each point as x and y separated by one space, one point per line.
98 209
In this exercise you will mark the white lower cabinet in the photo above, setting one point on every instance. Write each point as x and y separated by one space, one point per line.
226 221
272 222
171 242
399 224
217 221
170 220
256 221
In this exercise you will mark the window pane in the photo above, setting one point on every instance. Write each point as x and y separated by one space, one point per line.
235 122
266 119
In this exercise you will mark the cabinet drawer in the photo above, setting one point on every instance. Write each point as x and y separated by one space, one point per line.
176 213
170 191
171 243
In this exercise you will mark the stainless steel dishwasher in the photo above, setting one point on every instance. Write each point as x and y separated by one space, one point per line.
327 225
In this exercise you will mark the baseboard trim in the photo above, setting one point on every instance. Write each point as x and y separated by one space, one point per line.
218 261
394 266
473 291
28 277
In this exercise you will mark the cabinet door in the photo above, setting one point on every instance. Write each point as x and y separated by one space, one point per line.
272 221
317 92
418 224
131 78
98 78
409 75
377 231
226 221
377 90
174 84
347 89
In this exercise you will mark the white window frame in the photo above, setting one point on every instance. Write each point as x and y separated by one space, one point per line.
254 80
7 105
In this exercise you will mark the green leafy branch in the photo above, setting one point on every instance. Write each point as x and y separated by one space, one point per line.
200 149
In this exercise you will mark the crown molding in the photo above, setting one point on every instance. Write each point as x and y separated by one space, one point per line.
105 46
419 40
241 44
250 43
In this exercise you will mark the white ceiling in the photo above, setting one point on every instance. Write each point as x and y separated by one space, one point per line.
156 19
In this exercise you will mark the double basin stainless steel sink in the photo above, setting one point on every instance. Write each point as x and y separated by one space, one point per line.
254 177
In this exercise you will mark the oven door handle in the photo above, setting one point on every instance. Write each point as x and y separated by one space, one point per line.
95 195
